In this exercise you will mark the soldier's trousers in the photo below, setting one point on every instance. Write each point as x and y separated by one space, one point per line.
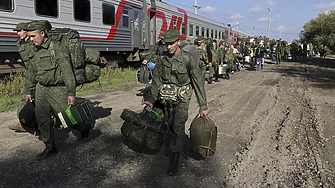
177 117
49 101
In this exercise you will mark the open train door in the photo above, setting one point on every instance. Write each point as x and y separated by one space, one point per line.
152 23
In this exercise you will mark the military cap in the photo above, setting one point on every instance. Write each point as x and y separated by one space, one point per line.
43 25
220 43
200 38
171 35
20 26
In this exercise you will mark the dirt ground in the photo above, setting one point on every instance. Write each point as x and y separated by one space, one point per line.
276 129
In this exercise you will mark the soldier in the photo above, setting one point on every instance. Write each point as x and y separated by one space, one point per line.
55 84
221 57
202 52
279 52
212 61
26 50
176 73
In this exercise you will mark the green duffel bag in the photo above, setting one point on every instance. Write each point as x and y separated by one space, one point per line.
203 135
144 129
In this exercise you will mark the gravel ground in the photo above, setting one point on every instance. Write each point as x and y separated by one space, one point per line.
276 129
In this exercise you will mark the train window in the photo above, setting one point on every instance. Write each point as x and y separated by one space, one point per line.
125 17
207 33
190 30
202 31
212 33
197 31
108 14
216 34
82 10
47 7
6 5
183 29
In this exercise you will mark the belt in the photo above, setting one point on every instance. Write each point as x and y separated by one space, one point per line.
55 85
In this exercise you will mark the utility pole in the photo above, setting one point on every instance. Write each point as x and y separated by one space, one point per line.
280 30
196 7
237 25
269 20
253 31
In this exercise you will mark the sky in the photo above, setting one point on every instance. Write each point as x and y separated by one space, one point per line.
287 16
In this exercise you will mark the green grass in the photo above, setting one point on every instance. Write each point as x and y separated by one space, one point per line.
11 87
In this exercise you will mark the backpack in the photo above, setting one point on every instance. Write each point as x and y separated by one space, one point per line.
27 118
203 135
85 61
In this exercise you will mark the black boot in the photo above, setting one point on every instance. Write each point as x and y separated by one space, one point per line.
173 165
85 134
210 80
50 149
217 78
227 76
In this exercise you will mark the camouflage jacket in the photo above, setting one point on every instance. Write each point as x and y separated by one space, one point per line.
50 69
221 53
202 52
180 70
26 49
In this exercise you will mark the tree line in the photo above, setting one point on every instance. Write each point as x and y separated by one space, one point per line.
320 30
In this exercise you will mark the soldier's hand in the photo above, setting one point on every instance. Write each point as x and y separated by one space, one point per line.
144 62
28 97
71 99
148 105
205 114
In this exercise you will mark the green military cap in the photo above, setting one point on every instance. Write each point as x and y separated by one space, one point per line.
220 43
43 25
171 35
20 26
200 38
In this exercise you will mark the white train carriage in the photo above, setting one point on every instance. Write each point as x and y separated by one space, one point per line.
117 28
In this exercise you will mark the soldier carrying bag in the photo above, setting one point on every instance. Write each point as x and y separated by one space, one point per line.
203 135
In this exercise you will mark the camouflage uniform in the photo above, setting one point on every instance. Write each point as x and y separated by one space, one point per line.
54 80
177 75
202 53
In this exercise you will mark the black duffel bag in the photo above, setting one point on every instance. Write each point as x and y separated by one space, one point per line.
145 129
28 120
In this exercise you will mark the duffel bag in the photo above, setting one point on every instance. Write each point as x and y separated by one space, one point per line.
203 134
144 129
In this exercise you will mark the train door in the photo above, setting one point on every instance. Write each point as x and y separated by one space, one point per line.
136 26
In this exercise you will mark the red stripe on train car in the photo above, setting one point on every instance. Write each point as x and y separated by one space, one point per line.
118 15
9 34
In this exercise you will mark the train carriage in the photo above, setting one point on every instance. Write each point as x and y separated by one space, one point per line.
119 29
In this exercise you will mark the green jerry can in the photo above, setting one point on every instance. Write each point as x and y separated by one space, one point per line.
74 114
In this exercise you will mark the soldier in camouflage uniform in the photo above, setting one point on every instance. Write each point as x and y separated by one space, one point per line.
202 52
221 57
51 73
279 52
26 50
176 73
212 61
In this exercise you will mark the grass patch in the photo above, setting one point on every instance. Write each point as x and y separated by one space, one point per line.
110 80
11 86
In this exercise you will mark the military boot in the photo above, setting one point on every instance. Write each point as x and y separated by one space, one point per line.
85 134
17 127
50 149
227 76
210 80
217 78
173 165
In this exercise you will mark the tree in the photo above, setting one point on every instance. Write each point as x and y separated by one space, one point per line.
320 30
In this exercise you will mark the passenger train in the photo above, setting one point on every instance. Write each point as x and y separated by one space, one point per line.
119 29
